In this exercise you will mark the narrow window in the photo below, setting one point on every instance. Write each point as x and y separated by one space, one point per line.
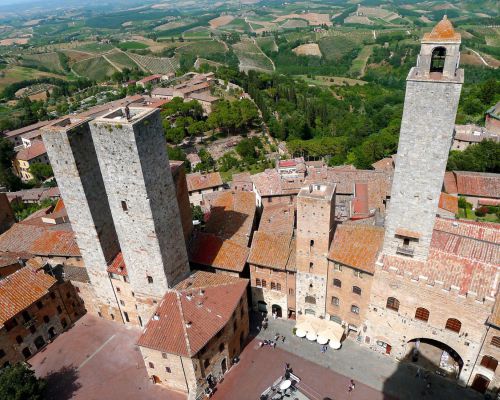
356 290
406 242
437 60
151 365
335 301
273 286
337 283
150 279
489 362
392 304
122 302
278 287
59 310
168 369
258 283
124 206
39 305
264 284
26 316
311 265
453 325
46 318
291 291
355 309
2 353
19 339
221 347
164 355
495 341
422 314
125 314
311 243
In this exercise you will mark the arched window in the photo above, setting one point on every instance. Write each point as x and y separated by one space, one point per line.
495 341
355 309
392 304
422 314
453 325
356 290
337 283
311 299
311 243
437 59
335 301
489 362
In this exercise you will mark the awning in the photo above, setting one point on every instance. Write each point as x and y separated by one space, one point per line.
335 344
322 340
311 336
320 329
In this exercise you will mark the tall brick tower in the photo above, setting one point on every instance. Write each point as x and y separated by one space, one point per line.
134 164
315 220
432 94
72 155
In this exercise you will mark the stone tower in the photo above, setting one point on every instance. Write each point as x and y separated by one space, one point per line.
72 155
432 94
133 159
315 223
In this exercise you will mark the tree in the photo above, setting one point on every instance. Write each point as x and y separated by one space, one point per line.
481 157
20 383
197 213
228 161
7 177
207 162
41 171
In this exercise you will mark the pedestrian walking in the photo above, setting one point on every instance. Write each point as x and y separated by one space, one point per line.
418 373
353 384
283 339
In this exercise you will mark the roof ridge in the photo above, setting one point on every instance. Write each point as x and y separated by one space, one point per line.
466 237
184 328
475 260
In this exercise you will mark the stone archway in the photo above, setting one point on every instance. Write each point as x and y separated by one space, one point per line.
431 354
276 310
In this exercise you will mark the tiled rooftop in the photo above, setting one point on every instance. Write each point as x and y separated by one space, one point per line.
357 246
26 129
278 218
198 181
21 289
117 266
270 250
231 216
448 202
39 240
188 317
478 184
209 250
36 149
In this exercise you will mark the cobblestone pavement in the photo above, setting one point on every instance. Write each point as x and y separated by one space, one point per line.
352 361
97 360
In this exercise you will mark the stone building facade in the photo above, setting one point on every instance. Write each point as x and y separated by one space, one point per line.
199 349
432 94
351 267
315 228
32 313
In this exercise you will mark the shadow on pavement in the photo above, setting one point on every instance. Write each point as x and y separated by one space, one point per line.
62 384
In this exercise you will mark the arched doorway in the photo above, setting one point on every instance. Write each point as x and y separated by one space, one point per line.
480 383
276 310
431 354
223 366
262 306
52 333
26 352
39 342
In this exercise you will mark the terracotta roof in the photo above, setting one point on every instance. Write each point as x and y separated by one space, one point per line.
198 181
448 202
149 78
231 216
278 218
203 96
291 264
34 195
36 149
117 266
450 183
210 250
270 250
357 246
385 164
7 259
169 91
21 289
76 273
188 317
407 233
443 31
463 254
39 240
26 129
474 134
480 184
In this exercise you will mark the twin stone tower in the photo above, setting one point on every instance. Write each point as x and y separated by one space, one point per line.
114 176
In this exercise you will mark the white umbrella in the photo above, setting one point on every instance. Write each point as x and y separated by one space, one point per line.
335 344
311 336
322 340
300 333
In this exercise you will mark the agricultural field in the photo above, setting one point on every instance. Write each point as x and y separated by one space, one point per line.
156 65
328 81
251 57
120 60
267 44
202 48
175 24
132 45
237 24
336 47
220 21
196 33
94 47
311 18
97 68
48 61
358 66
76 55
294 24
309 49
16 73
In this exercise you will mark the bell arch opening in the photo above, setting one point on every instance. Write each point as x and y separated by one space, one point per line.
437 59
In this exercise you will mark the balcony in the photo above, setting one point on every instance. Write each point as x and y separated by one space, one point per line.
405 250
